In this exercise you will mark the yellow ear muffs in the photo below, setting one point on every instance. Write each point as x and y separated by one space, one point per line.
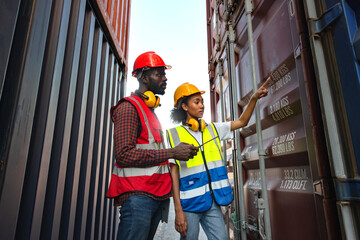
193 124
196 124
151 100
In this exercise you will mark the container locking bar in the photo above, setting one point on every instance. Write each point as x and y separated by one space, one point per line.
265 212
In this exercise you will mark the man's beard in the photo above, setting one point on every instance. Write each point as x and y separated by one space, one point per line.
157 89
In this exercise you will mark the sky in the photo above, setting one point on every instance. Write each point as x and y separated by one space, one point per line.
176 31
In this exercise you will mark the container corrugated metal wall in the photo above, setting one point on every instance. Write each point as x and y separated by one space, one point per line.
60 74
301 184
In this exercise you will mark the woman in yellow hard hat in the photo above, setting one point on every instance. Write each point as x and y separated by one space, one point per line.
201 185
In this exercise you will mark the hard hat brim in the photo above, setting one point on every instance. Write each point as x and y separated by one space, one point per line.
201 92
134 73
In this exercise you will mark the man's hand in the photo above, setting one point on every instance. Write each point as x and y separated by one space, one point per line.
181 223
183 151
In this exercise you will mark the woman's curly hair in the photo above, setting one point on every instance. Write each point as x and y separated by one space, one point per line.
178 114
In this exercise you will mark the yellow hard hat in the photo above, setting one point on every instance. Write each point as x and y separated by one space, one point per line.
184 90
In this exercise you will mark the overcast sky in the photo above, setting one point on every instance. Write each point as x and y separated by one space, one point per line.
176 30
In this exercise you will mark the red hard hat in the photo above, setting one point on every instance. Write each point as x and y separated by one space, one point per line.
148 59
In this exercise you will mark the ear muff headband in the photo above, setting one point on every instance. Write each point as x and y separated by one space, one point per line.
151 100
202 124
196 125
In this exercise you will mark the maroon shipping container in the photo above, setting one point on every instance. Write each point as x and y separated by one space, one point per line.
300 186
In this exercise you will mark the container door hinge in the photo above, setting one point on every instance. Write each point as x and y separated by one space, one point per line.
326 19
322 188
260 206
297 51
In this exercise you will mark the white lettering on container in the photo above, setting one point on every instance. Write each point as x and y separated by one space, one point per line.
255 179
294 179
279 104
281 80
293 184
282 113
283 144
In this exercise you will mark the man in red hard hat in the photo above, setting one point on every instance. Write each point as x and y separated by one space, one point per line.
141 182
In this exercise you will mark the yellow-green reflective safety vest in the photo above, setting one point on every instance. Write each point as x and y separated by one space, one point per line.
204 177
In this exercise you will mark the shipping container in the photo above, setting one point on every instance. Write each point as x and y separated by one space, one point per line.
63 64
295 167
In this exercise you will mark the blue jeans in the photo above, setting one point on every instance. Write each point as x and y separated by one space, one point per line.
139 218
211 221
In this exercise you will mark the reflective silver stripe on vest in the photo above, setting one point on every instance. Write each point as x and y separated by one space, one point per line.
220 184
150 146
200 168
151 137
175 136
136 172
194 192
202 190
212 133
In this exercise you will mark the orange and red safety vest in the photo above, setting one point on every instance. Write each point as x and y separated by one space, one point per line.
155 180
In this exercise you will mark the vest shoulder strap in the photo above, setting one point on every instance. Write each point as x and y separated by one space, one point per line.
136 101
